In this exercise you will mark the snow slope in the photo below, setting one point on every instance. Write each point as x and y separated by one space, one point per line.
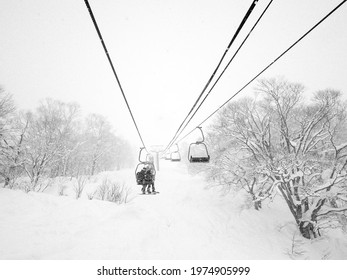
185 221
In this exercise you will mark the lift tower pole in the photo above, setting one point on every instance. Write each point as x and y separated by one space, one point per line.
157 149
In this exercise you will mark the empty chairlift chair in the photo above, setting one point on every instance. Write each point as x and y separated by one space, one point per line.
198 151
167 156
175 154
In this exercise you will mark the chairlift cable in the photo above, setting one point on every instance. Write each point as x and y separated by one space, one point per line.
113 69
216 69
267 67
225 68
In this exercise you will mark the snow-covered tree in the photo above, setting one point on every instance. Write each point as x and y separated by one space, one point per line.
242 145
53 141
8 149
99 141
100 149
280 144
310 171
47 137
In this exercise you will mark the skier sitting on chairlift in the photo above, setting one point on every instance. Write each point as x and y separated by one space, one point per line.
148 173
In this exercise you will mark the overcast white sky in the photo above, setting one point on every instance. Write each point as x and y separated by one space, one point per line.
164 51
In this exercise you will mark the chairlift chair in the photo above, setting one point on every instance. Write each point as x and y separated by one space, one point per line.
175 156
175 153
197 151
142 156
168 156
145 170
145 173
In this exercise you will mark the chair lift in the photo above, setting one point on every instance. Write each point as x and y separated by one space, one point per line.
145 170
167 156
175 155
197 151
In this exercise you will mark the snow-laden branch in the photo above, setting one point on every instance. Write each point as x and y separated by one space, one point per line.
329 184
328 210
340 147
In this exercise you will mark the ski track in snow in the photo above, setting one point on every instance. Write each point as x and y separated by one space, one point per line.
184 221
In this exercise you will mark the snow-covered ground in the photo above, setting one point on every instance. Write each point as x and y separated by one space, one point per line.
185 221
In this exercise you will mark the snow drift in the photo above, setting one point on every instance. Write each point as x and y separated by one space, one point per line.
186 220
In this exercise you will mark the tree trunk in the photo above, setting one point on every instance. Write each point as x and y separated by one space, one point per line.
7 181
257 205
307 230
93 167
65 167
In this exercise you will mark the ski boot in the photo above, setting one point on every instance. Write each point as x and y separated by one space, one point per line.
143 190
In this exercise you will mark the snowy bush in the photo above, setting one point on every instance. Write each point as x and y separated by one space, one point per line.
79 186
26 187
125 193
118 193
113 191
42 185
90 195
12 184
103 189
61 190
